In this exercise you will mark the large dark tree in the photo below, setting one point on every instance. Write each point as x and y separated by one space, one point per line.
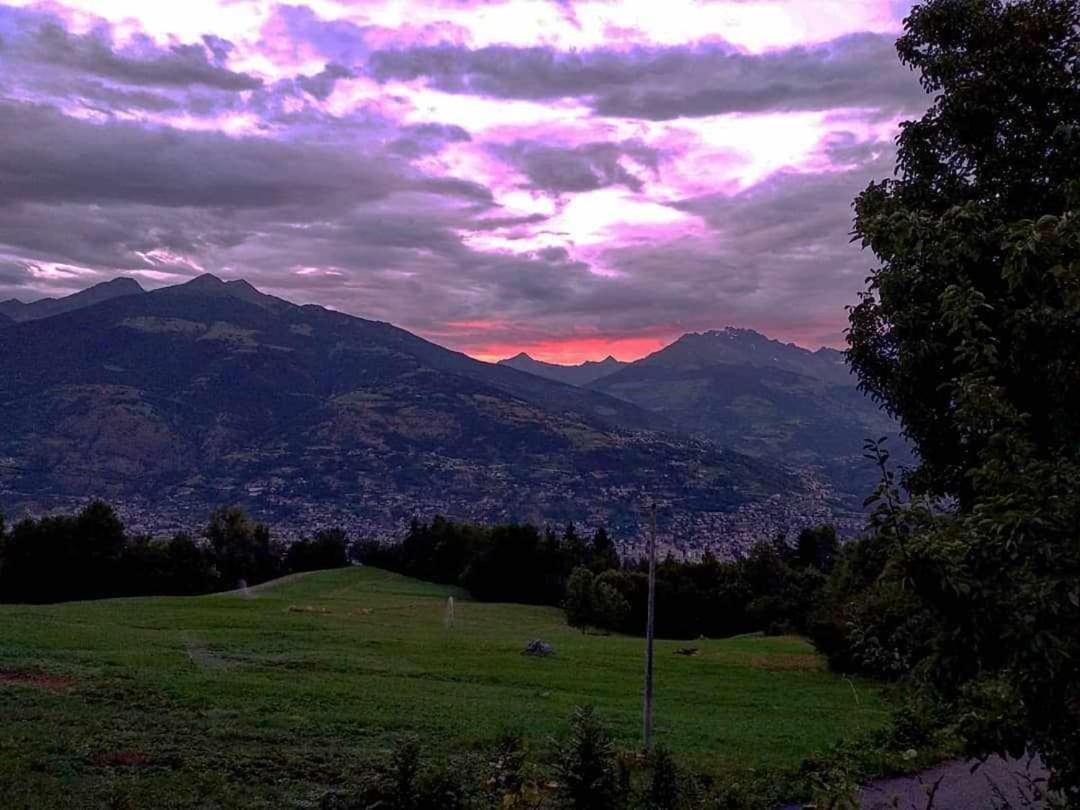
969 332
63 557
242 549
976 236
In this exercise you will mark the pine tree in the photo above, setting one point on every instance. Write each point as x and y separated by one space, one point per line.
586 765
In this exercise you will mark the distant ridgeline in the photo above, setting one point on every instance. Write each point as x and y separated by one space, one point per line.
172 402
90 555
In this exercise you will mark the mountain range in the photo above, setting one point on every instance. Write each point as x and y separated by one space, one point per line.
17 311
173 401
581 374
773 401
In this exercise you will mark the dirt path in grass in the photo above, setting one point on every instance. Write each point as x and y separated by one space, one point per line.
998 784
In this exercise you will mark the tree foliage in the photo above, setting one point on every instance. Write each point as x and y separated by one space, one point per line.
242 548
90 555
968 332
773 589
63 557
327 549
504 563
579 598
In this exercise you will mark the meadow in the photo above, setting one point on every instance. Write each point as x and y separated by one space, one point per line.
274 696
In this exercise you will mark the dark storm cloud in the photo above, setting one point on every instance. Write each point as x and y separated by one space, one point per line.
859 70
498 223
321 85
339 41
455 187
13 274
423 139
115 236
32 37
108 99
47 156
554 254
580 168
123 196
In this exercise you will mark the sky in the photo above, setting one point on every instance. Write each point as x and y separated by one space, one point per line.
570 179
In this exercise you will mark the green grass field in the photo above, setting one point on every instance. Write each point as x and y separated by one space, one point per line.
273 697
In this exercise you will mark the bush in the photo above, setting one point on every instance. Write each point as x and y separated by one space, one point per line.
665 791
868 621
403 775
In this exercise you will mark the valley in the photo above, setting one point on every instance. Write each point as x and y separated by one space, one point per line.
171 402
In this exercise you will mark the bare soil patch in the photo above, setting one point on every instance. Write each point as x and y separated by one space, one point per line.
41 680
787 663
124 759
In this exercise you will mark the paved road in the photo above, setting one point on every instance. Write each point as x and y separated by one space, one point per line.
998 784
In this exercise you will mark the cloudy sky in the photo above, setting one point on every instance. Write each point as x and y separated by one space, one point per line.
571 179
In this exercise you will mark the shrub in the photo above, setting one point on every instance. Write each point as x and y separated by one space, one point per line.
402 779
665 789
586 765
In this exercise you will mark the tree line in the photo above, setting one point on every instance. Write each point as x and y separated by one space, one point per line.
775 588
90 555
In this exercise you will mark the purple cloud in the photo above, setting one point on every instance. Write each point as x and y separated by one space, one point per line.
491 186
665 83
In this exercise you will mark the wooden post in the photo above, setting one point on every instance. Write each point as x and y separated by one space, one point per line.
649 624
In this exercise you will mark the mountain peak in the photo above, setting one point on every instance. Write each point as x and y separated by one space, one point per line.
120 283
737 346
19 311
728 332
581 374
242 290
206 281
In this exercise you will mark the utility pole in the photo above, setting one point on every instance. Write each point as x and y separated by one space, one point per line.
649 621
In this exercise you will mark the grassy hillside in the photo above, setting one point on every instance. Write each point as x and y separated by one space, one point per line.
273 696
